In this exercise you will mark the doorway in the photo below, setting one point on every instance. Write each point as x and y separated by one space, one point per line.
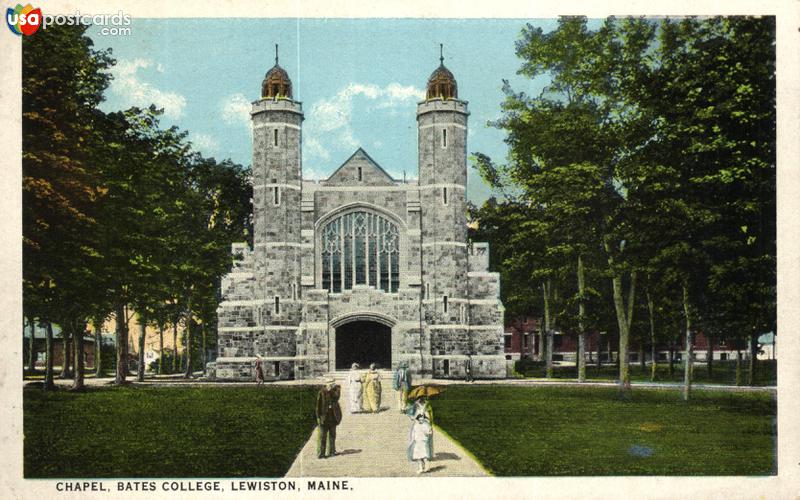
363 342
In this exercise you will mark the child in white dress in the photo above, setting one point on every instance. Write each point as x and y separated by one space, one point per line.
419 445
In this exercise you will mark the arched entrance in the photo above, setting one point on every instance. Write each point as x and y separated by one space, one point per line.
363 342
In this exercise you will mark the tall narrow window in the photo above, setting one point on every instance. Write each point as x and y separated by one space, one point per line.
276 195
427 291
277 305
276 368
444 138
275 136
446 367
444 195
360 178
294 291
444 302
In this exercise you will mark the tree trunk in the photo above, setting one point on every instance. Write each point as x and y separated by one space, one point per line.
65 354
122 346
98 350
175 346
624 319
710 356
142 334
160 348
48 370
189 340
203 330
581 327
546 290
541 341
751 368
32 347
651 315
689 362
77 346
738 367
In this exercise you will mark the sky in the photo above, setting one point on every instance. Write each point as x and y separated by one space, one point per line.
359 81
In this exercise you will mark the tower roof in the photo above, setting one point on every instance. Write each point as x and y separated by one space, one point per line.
276 82
442 84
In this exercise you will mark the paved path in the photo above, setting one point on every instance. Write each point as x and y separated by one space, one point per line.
374 445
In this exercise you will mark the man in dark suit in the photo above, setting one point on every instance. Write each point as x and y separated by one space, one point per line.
329 415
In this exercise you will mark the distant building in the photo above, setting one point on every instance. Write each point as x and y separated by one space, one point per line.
40 346
522 341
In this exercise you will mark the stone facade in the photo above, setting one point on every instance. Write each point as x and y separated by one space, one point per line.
359 247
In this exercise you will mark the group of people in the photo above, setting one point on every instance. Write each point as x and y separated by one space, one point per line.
364 391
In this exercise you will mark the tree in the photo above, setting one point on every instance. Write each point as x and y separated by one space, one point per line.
59 122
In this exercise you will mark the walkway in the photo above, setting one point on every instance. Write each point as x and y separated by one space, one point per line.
374 445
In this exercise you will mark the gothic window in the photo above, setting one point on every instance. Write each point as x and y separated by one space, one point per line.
360 177
275 136
276 195
360 248
444 138
444 195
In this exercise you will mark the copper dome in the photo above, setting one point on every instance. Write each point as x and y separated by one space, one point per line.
276 83
442 84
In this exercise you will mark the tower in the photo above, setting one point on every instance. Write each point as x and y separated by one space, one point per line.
277 184
442 142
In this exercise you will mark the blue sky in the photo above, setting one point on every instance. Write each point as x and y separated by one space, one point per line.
359 81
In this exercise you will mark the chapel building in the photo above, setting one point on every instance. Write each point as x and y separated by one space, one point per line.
360 267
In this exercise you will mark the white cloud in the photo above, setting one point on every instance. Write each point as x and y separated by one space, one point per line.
135 92
236 110
204 143
329 120
315 149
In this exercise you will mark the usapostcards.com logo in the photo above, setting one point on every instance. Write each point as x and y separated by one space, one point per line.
27 20
24 20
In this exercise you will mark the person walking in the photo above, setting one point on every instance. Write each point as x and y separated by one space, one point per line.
372 390
420 442
354 389
259 369
402 384
329 415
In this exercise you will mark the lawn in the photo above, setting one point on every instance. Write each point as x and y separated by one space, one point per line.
166 431
723 372
574 431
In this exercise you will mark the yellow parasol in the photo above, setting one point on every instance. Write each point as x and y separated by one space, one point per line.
425 391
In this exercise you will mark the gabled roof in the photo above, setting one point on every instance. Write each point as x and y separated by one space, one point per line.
373 175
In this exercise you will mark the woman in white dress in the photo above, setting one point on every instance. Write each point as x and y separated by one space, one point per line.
354 389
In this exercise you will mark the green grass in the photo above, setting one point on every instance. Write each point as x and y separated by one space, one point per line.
573 431
166 431
724 372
